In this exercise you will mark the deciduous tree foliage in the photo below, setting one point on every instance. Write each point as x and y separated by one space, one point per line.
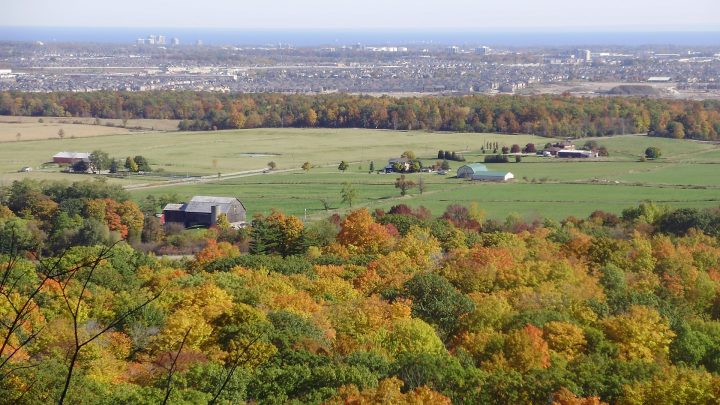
545 115
398 307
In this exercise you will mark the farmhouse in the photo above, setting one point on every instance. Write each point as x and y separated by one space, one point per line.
466 171
403 162
204 211
71 157
576 154
493 176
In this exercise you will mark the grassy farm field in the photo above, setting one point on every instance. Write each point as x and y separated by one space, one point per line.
207 153
31 129
686 174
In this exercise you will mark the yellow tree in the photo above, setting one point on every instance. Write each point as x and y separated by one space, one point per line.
674 386
421 247
412 336
388 391
565 338
388 272
641 334
195 309
289 232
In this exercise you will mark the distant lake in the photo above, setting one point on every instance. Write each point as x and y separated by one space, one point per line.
380 37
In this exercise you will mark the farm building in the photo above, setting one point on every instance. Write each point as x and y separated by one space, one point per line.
403 162
70 157
466 171
493 176
576 154
204 211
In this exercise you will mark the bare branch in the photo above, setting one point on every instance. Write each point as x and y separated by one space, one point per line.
173 367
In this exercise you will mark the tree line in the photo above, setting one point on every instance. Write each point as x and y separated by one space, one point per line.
544 115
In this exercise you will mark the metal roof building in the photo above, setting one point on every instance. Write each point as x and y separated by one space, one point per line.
493 176
466 171
205 210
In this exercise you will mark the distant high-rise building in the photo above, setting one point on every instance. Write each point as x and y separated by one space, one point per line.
161 40
140 41
175 41
151 40
199 42
483 50
453 49
583 55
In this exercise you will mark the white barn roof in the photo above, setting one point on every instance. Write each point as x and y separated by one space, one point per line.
72 155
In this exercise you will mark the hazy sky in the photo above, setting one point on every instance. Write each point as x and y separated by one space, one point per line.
346 14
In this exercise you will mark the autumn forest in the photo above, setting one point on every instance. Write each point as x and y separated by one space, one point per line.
545 115
403 306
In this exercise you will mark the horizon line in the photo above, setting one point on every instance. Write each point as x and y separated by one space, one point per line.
553 29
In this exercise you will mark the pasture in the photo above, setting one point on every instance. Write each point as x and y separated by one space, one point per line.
685 175
43 128
209 153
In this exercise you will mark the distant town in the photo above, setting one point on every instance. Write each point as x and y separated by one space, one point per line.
159 62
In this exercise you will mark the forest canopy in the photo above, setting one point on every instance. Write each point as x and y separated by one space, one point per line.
370 307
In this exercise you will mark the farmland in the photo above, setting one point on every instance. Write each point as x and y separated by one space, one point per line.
34 128
555 188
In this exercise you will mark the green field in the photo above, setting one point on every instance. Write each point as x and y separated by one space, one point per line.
207 153
686 175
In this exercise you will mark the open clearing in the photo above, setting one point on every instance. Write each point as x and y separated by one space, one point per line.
685 176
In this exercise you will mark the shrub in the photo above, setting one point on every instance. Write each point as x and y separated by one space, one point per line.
653 152
496 159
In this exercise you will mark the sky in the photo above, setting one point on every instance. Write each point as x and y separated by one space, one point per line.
477 15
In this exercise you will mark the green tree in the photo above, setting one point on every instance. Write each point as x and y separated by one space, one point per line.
99 160
142 163
348 193
306 166
372 167
653 152
80 166
404 184
343 166
677 129
131 165
438 303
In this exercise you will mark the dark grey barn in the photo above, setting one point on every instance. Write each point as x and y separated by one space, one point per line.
204 211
